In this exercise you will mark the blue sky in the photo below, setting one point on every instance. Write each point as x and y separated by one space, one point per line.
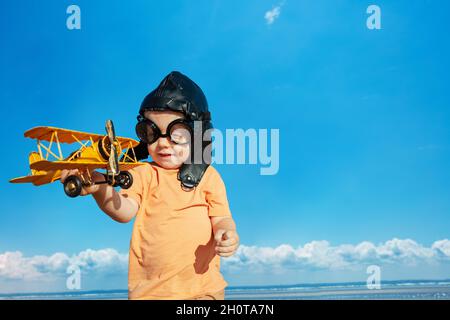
363 114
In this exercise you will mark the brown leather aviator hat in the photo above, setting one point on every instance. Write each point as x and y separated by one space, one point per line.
177 92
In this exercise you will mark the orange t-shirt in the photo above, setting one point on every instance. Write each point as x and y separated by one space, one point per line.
172 252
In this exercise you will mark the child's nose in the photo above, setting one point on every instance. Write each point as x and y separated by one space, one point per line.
164 142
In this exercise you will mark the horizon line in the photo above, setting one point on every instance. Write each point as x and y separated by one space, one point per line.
2 294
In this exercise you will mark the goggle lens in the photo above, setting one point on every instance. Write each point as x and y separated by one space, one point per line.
148 132
180 133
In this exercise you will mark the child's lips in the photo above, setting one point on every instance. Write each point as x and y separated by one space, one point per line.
164 155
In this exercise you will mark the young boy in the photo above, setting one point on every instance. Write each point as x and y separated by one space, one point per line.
183 221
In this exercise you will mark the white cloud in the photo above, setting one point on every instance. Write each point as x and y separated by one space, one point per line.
273 14
442 247
317 255
14 265
314 256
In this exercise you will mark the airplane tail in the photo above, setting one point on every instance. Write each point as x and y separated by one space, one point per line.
32 158
37 177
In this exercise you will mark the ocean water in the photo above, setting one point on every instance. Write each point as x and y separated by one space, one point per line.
396 290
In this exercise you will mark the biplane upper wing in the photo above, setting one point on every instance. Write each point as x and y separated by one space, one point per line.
45 165
69 136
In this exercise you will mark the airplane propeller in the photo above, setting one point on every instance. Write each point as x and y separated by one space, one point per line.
113 157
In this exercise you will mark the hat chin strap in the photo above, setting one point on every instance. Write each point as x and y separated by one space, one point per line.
191 174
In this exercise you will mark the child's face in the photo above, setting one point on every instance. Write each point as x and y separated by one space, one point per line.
164 152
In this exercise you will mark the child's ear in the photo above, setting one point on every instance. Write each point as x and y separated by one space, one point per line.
140 151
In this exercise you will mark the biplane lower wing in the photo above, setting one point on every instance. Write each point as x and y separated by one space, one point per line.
27 178
38 179
45 165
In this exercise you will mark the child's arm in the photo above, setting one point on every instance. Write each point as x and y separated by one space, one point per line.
225 234
118 207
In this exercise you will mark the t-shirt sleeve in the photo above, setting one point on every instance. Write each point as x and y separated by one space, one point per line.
136 191
216 196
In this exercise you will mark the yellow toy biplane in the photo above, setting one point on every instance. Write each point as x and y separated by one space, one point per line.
95 152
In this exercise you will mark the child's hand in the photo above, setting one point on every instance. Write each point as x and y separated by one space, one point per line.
227 242
96 176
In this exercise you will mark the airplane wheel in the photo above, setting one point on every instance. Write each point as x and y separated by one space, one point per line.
73 186
126 179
